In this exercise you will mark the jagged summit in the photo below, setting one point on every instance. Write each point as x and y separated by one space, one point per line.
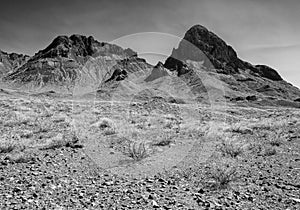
68 60
214 47
81 46
200 44
80 64
157 72
159 65
11 61
239 77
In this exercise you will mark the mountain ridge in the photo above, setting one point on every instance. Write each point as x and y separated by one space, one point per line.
81 61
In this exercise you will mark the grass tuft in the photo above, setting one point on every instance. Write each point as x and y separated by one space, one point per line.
137 151
230 148
222 173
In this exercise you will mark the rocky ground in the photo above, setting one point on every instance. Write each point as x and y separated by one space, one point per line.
61 154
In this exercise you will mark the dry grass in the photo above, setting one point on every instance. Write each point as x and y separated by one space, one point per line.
275 138
7 146
230 148
269 151
62 140
109 131
222 172
21 157
165 140
137 151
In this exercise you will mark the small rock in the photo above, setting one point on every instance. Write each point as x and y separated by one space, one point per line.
155 204
109 183
295 199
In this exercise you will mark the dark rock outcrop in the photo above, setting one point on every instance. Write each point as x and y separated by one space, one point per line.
11 61
81 46
118 75
251 98
267 72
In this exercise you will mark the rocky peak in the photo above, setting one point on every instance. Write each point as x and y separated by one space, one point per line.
200 44
157 72
80 46
159 65
11 61
267 72
213 46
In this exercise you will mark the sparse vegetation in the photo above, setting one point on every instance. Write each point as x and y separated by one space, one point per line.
61 140
269 151
165 140
21 157
230 148
7 146
105 123
222 173
137 151
42 126
109 131
275 138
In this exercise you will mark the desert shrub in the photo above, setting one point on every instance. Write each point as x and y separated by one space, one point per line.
240 129
275 142
26 134
63 140
164 140
230 148
42 126
275 138
222 172
137 151
73 140
21 157
7 146
54 143
269 151
105 123
109 131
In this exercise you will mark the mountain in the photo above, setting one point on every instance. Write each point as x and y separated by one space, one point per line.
239 79
66 62
203 68
157 72
200 44
11 61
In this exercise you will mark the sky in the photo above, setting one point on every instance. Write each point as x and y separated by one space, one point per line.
261 31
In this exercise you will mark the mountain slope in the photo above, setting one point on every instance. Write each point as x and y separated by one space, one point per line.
11 61
66 61
203 68
217 58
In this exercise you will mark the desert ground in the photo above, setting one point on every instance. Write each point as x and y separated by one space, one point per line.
64 153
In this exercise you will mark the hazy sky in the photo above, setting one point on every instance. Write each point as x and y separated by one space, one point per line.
261 31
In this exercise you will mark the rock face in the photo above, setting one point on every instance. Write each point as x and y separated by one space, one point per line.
68 60
11 61
157 72
217 58
204 67
267 72
118 75
78 47
200 44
